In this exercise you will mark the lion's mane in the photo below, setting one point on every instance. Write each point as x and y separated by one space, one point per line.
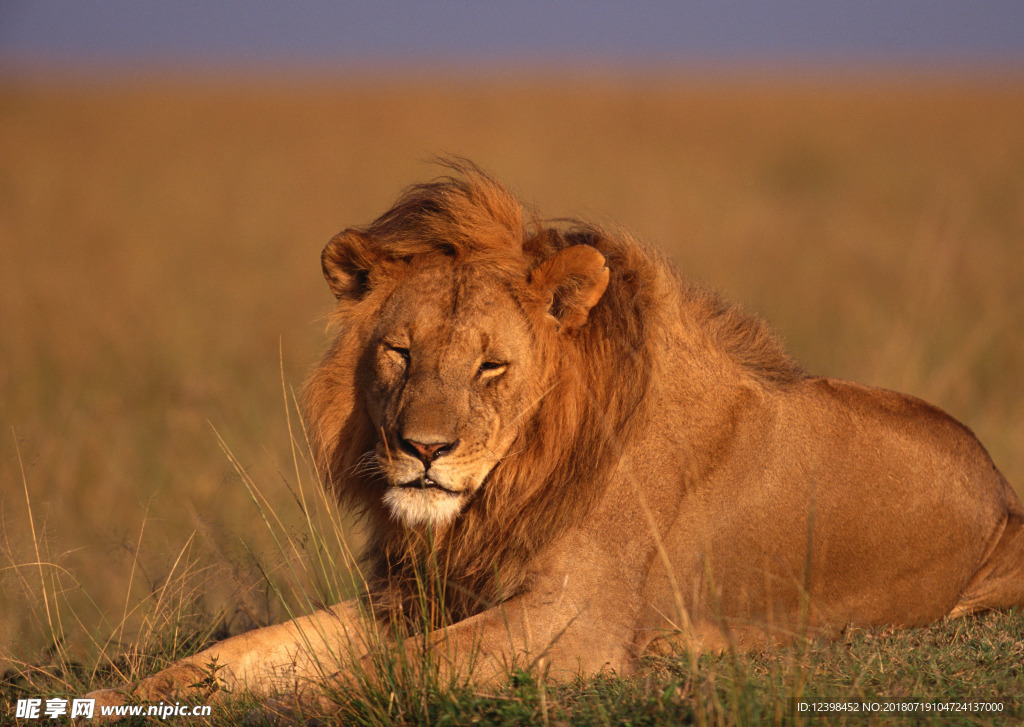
555 470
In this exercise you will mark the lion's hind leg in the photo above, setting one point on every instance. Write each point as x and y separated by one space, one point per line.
999 581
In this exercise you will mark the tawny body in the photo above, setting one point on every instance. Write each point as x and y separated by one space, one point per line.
606 460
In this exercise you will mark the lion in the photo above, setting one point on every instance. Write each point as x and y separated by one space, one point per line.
568 456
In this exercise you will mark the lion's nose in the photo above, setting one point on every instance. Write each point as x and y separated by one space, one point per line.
427 452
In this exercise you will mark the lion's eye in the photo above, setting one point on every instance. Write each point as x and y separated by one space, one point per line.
399 352
490 369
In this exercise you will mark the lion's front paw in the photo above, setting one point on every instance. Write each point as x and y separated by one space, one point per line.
181 681
106 698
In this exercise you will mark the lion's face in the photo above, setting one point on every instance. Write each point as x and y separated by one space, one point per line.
451 359
454 371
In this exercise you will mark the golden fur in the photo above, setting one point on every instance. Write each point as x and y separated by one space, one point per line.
639 465
560 465
552 479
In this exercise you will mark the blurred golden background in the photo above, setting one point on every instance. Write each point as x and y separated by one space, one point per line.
159 277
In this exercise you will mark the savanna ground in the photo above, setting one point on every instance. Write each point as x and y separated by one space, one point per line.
160 299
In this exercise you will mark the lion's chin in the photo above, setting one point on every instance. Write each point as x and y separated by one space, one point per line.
422 505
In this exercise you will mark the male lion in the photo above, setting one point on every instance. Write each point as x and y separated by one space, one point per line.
566 455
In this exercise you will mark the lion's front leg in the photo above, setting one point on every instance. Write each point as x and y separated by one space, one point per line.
559 629
288 658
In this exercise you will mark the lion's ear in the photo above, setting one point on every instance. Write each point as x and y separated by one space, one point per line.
347 261
571 282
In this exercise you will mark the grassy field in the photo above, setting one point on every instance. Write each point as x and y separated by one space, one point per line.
160 293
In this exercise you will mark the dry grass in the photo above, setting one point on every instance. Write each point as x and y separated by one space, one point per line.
159 246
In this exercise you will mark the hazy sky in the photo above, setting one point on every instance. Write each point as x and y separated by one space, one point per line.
129 34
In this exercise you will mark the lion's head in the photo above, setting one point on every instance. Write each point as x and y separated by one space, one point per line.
467 393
